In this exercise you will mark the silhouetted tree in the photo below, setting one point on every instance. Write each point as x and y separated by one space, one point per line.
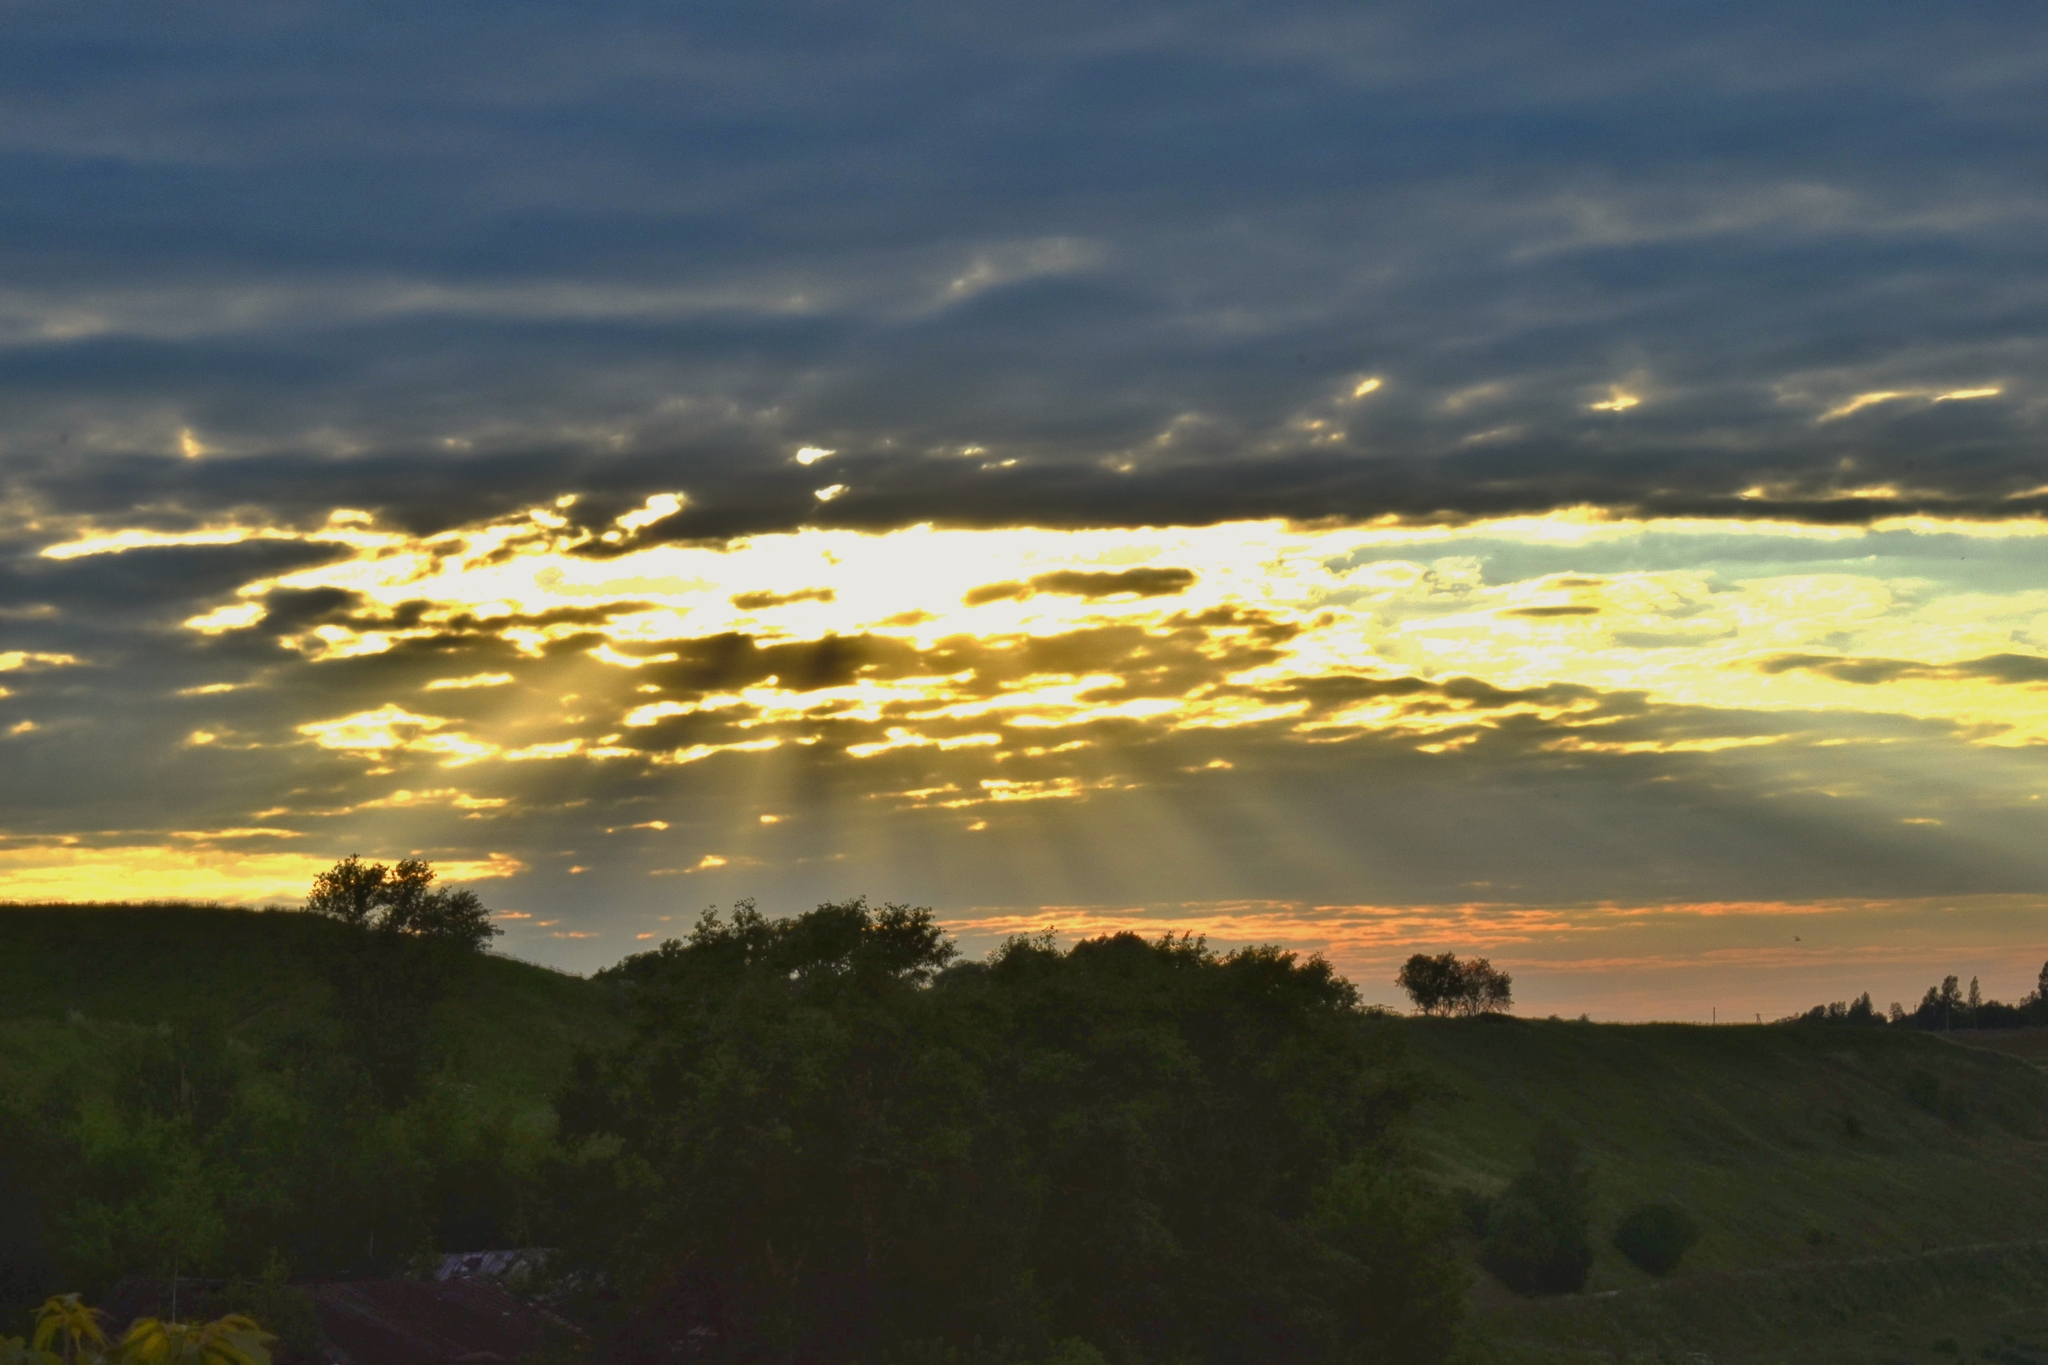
1859 1011
401 900
1444 985
407 939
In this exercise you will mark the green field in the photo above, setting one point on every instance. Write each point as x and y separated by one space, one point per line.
1865 1194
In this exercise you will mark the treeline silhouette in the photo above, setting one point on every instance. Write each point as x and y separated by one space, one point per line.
1944 1007
859 1146
1128 1150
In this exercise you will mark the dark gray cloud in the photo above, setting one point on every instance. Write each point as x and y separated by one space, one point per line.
1054 264
2029 669
442 265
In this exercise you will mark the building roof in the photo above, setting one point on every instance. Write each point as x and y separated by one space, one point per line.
413 1322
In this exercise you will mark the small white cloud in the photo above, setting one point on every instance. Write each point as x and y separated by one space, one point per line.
827 494
1862 401
473 680
1618 400
810 455
189 444
1366 386
656 508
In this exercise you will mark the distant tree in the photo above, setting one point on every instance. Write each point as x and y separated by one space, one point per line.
1655 1237
1538 1233
1859 1011
1486 990
409 937
1444 985
401 900
1431 982
350 891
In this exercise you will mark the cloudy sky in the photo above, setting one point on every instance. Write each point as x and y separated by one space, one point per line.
1564 483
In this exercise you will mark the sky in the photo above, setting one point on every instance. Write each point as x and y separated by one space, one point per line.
1564 484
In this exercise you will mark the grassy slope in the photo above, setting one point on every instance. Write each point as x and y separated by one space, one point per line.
74 977
1748 1128
1744 1125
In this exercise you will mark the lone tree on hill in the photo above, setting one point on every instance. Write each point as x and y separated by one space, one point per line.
1444 985
401 900
408 939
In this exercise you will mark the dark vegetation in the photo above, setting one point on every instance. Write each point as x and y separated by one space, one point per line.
1943 1008
1537 1236
1444 985
1655 1237
186 1090
865 1149
1141 1149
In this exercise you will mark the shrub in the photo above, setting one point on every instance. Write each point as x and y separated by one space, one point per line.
1538 1232
1655 1237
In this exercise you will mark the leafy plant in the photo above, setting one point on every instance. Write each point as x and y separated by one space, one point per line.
67 1332
67 1325
232 1340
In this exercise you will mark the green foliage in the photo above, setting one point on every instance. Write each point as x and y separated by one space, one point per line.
1538 1232
1145 1150
211 1128
67 1329
1444 985
407 941
67 1332
1655 1237
232 1340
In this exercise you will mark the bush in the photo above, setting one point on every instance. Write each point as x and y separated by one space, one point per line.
1655 1237
1538 1232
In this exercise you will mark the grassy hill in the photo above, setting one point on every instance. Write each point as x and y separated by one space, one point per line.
74 977
1864 1194
1847 1182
